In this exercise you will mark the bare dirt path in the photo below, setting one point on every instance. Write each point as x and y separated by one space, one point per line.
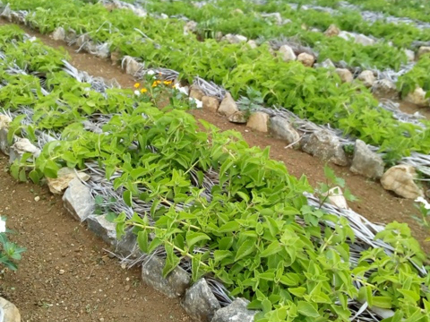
375 203
65 275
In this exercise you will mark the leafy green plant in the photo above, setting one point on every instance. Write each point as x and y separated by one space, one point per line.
9 252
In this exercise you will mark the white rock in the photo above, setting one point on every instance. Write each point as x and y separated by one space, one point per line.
103 228
64 176
423 50
190 27
239 117
287 53
327 64
400 179
332 31
410 55
228 106
252 44
346 35
259 121
10 311
364 40
20 147
322 144
235 39
306 59
366 162
4 121
345 75
132 66
282 128
367 78
336 198
417 97
196 93
59 34
210 103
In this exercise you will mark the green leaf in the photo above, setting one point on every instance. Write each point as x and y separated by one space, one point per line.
128 198
142 240
272 249
245 249
308 309
194 237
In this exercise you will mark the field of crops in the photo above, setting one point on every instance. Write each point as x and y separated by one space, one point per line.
204 199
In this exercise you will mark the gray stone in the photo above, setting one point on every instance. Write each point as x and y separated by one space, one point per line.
210 103
325 146
7 13
259 121
228 106
64 176
252 44
199 302
174 285
240 117
78 200
282 129
287 53
20 147
410 55
190 27
59 34
327 64
127 246
400 180
11 312
385 88
366 162
82 40
346 35
4 126
103 228
132 66
235 312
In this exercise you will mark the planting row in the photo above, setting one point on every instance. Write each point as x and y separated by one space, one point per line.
207 200
310 93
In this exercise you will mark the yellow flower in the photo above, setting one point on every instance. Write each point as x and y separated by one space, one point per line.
143 90
137 85
156 83
167 82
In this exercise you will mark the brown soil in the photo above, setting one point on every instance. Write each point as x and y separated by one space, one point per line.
375 203
65 275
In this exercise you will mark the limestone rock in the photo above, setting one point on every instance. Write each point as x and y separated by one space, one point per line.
235 39
4 121
190 27
127 246
239 117
410 55
64 176
82 40
199 302
336 198
364 40
103 228
59 34
346 35
306 59
367 78
174 285
11 312
196 93
210 103
252 44
385 88
228 106
400 179
281 128
236 311
132 66
366 162
345 75
4 125
259 121
417 97
237 11
115 56
7 13
325 146
423 50
332 31
327 64
78 200
20 147
287 53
